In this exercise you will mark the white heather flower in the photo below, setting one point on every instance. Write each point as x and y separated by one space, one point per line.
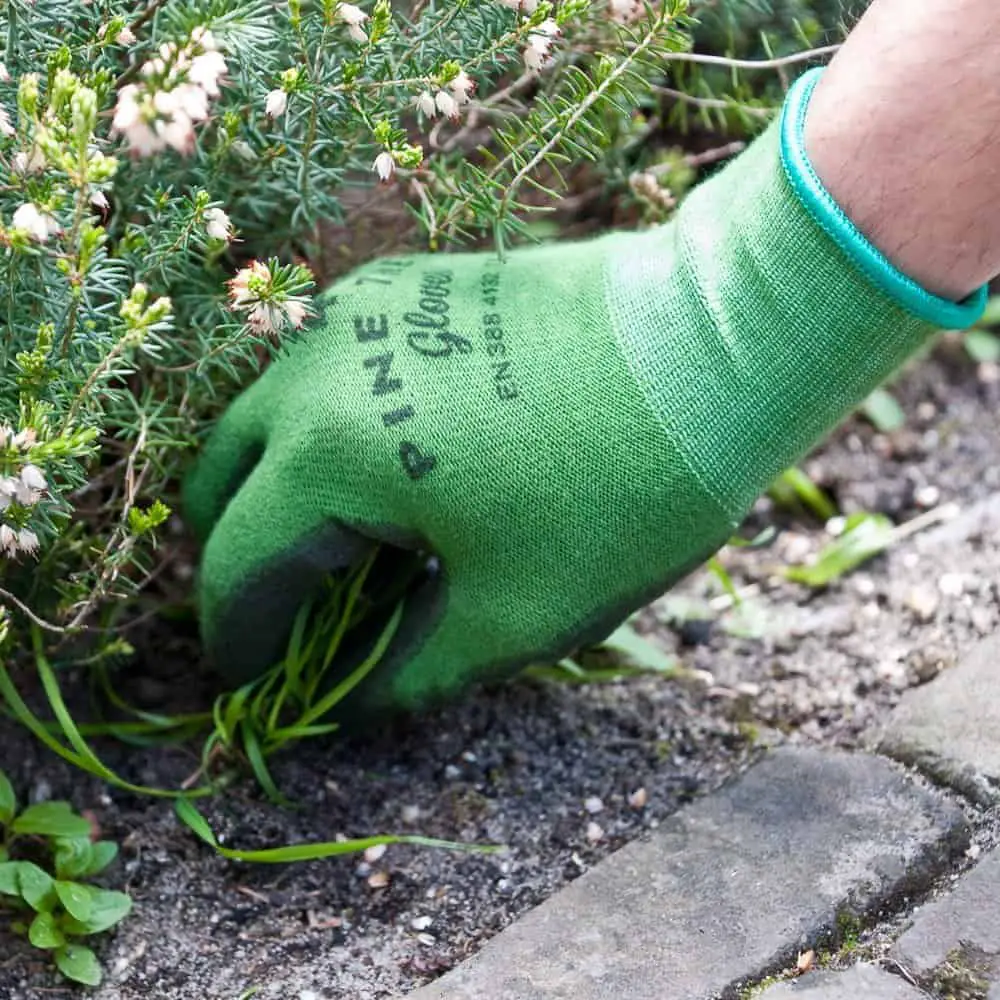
100 201
4 73
8 487
8 540
37 224
447 104
265 318
521 6
218 225
28 163
151 119
384 165
277 101
624 11
353 17
33 478
126 36
250 292
462 87
240 295
24 439
5 126
425 104
537 53
296 312
206 70
28 541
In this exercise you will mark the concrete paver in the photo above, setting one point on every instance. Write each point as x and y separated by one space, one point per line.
961 927
950 728
862 982
729 887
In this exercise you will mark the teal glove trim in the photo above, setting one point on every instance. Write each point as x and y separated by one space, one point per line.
942 313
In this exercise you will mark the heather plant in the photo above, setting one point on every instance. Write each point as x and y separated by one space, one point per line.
166 169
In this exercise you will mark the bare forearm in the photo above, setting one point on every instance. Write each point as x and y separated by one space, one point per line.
904 131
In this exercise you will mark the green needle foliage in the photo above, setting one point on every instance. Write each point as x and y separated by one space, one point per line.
47 857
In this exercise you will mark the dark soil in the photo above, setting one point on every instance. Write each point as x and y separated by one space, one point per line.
523 765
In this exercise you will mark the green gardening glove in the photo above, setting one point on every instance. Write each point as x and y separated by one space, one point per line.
568 431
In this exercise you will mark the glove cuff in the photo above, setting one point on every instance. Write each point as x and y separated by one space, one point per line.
820 204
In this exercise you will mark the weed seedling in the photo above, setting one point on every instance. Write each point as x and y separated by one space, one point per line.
46 857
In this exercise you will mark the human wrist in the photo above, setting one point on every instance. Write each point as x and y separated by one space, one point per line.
910 161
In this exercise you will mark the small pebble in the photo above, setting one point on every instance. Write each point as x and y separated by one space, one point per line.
595 832
375 853
308 995
427 940
593 805
927 496
378 880
923 602
638 799
989 373
951 584
836 525
748 689
410 814
982 620
421 923
451 772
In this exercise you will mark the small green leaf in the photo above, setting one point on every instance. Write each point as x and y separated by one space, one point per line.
107 909
79 964
37 887
44 932
866 535
193 819
8 801
76 898
640 651
885 414
51 819
101 855
73 857
9 884
982 346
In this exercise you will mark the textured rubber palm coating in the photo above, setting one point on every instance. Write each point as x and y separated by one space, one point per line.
569 431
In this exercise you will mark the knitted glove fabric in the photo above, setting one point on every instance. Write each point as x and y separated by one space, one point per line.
568 431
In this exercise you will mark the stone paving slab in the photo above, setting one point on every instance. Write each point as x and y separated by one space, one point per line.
862 982
961 928
728 888
950 728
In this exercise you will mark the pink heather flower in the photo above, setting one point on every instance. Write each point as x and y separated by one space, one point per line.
521 6
353 17
4 73
384 165
5 126
37 224
425 104
218 225
274 106
462 87
100 201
